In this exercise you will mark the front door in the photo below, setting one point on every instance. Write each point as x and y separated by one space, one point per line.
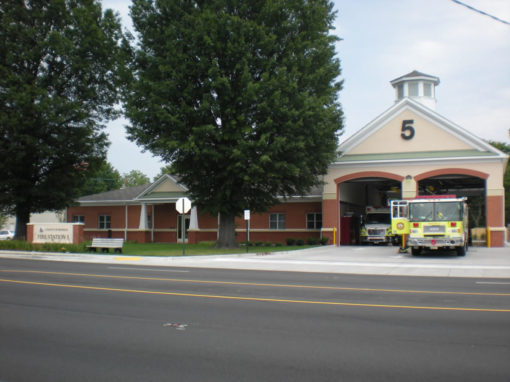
179 227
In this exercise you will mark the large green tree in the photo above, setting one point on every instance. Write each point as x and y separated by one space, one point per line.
104 178
60 64
239 96
135 178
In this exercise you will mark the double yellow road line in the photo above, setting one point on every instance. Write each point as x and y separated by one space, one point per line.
259 299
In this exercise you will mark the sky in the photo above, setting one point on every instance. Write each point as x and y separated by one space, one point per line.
384 39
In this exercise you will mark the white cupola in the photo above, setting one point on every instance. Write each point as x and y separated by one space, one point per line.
418 86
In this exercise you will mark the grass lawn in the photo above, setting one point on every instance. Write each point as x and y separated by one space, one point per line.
149 249
205 248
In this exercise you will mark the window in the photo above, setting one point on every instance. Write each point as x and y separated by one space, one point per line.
104 221
314 220
78 219
413 88
400 91
427 90
277 221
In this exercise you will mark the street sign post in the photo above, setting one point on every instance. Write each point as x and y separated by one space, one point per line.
247 218
183 205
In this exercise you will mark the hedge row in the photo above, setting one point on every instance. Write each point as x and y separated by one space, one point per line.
309 241
19 245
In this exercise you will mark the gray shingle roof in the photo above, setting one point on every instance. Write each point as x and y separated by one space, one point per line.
128 194
124 194
415 74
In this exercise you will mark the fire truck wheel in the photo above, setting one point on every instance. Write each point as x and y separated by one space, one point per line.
415 251
461 251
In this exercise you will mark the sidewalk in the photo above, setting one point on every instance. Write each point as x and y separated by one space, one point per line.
479 261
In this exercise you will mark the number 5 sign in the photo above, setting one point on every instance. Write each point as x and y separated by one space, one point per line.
407 129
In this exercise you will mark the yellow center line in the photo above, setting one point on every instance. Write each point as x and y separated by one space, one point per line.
260 299
240 283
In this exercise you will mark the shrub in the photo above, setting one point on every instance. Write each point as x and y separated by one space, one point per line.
290 241
259 244
312 241
277 244
324 240
300 242
46 247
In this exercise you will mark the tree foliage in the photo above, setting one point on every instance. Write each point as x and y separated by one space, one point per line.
60 64
239 96
135 178
164 170
104 178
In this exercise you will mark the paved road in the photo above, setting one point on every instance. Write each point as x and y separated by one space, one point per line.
106 322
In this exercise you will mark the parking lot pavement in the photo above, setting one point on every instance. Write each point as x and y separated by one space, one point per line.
373 260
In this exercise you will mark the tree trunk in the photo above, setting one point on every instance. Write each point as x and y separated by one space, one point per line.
227 232
22 219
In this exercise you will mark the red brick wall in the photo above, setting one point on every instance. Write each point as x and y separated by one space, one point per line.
165 223
495 218
165 216
330 212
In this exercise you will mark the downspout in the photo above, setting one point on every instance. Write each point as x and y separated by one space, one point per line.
152 222
126 223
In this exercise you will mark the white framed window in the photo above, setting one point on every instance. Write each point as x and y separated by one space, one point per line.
277 221
78 219
104 221
400 91
314 220
413 88
427 90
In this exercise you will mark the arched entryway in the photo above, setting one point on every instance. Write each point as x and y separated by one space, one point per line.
461 183
356 192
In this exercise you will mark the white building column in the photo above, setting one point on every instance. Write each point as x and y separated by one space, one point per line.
143 217
193 220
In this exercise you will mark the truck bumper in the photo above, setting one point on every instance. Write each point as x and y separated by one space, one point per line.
376 239
435 242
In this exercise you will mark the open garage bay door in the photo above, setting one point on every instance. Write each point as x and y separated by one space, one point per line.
355 196
459 185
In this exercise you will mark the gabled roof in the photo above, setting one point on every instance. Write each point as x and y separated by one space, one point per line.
122 195
469 146
165 189
415 75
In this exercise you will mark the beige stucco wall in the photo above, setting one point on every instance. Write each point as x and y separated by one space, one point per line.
494 183
428 137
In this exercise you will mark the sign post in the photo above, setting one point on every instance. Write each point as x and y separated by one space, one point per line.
247 218
183 205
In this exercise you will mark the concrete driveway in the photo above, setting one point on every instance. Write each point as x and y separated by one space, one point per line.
371 260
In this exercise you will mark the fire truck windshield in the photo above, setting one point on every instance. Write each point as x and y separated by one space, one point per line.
435 211
378 218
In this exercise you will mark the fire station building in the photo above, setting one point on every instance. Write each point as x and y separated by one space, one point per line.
408 150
